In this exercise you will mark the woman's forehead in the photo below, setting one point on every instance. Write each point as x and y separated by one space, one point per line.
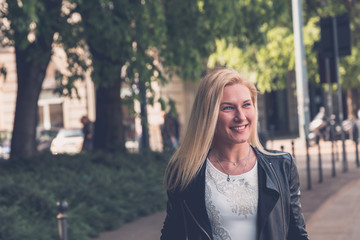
236 90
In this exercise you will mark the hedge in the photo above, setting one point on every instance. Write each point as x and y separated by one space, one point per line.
103 191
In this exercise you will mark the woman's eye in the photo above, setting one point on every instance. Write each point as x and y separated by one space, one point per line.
227 108
246 105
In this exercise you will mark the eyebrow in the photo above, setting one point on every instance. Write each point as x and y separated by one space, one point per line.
230 103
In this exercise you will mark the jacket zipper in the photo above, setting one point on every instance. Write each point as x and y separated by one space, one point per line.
281 198
185 223
197 223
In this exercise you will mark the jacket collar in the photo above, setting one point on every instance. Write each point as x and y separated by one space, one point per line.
264 163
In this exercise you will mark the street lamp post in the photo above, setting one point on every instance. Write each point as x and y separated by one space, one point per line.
301 71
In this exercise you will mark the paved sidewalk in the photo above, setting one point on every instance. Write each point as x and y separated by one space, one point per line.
339 217
330 208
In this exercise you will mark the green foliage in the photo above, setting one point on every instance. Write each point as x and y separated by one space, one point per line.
120 34
349 70
267 65
275 59
269 62
103 190
32 24
192 28
260 43
320 8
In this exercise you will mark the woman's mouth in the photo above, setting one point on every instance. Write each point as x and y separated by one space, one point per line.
238 127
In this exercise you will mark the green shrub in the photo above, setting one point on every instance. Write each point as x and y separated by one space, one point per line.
103 191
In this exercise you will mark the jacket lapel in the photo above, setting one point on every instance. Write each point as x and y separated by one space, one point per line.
195 200
268 191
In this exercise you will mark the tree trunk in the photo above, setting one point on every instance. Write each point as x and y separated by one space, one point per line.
31 64
144 145
30 74
109 131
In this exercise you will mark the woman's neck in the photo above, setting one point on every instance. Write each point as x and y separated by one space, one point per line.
232 154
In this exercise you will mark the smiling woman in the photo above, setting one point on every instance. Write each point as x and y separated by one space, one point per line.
221 182
236 116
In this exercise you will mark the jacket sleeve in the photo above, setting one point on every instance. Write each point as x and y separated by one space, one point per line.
297 229
174 227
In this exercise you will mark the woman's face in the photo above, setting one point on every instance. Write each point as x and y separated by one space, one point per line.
236 116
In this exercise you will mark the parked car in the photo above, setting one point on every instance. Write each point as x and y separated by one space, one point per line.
44 138
67 141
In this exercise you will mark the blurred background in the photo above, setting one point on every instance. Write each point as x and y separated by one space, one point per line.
96 94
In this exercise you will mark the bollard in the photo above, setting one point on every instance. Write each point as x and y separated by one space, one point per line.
357 153
308 169
320 162
62 218
337 150
332 134
356 140
333 169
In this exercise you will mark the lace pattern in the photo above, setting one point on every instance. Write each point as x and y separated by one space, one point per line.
238 197
219 232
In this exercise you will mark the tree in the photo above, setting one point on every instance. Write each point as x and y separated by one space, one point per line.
31 32
129 35
119 35
148 36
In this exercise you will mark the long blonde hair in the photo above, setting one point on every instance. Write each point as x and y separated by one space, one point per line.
188 159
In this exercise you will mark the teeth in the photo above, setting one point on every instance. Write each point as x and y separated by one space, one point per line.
238 128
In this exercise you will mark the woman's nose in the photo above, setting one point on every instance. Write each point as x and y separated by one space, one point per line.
240 116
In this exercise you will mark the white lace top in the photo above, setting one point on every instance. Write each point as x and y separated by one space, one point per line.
231 206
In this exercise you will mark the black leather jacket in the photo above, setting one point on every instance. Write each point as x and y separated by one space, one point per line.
279 210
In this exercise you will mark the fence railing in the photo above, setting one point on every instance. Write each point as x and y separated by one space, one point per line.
335 155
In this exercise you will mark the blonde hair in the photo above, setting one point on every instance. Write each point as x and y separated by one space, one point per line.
188 159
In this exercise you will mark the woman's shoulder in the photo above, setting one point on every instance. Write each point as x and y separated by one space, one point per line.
275 155
180 191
